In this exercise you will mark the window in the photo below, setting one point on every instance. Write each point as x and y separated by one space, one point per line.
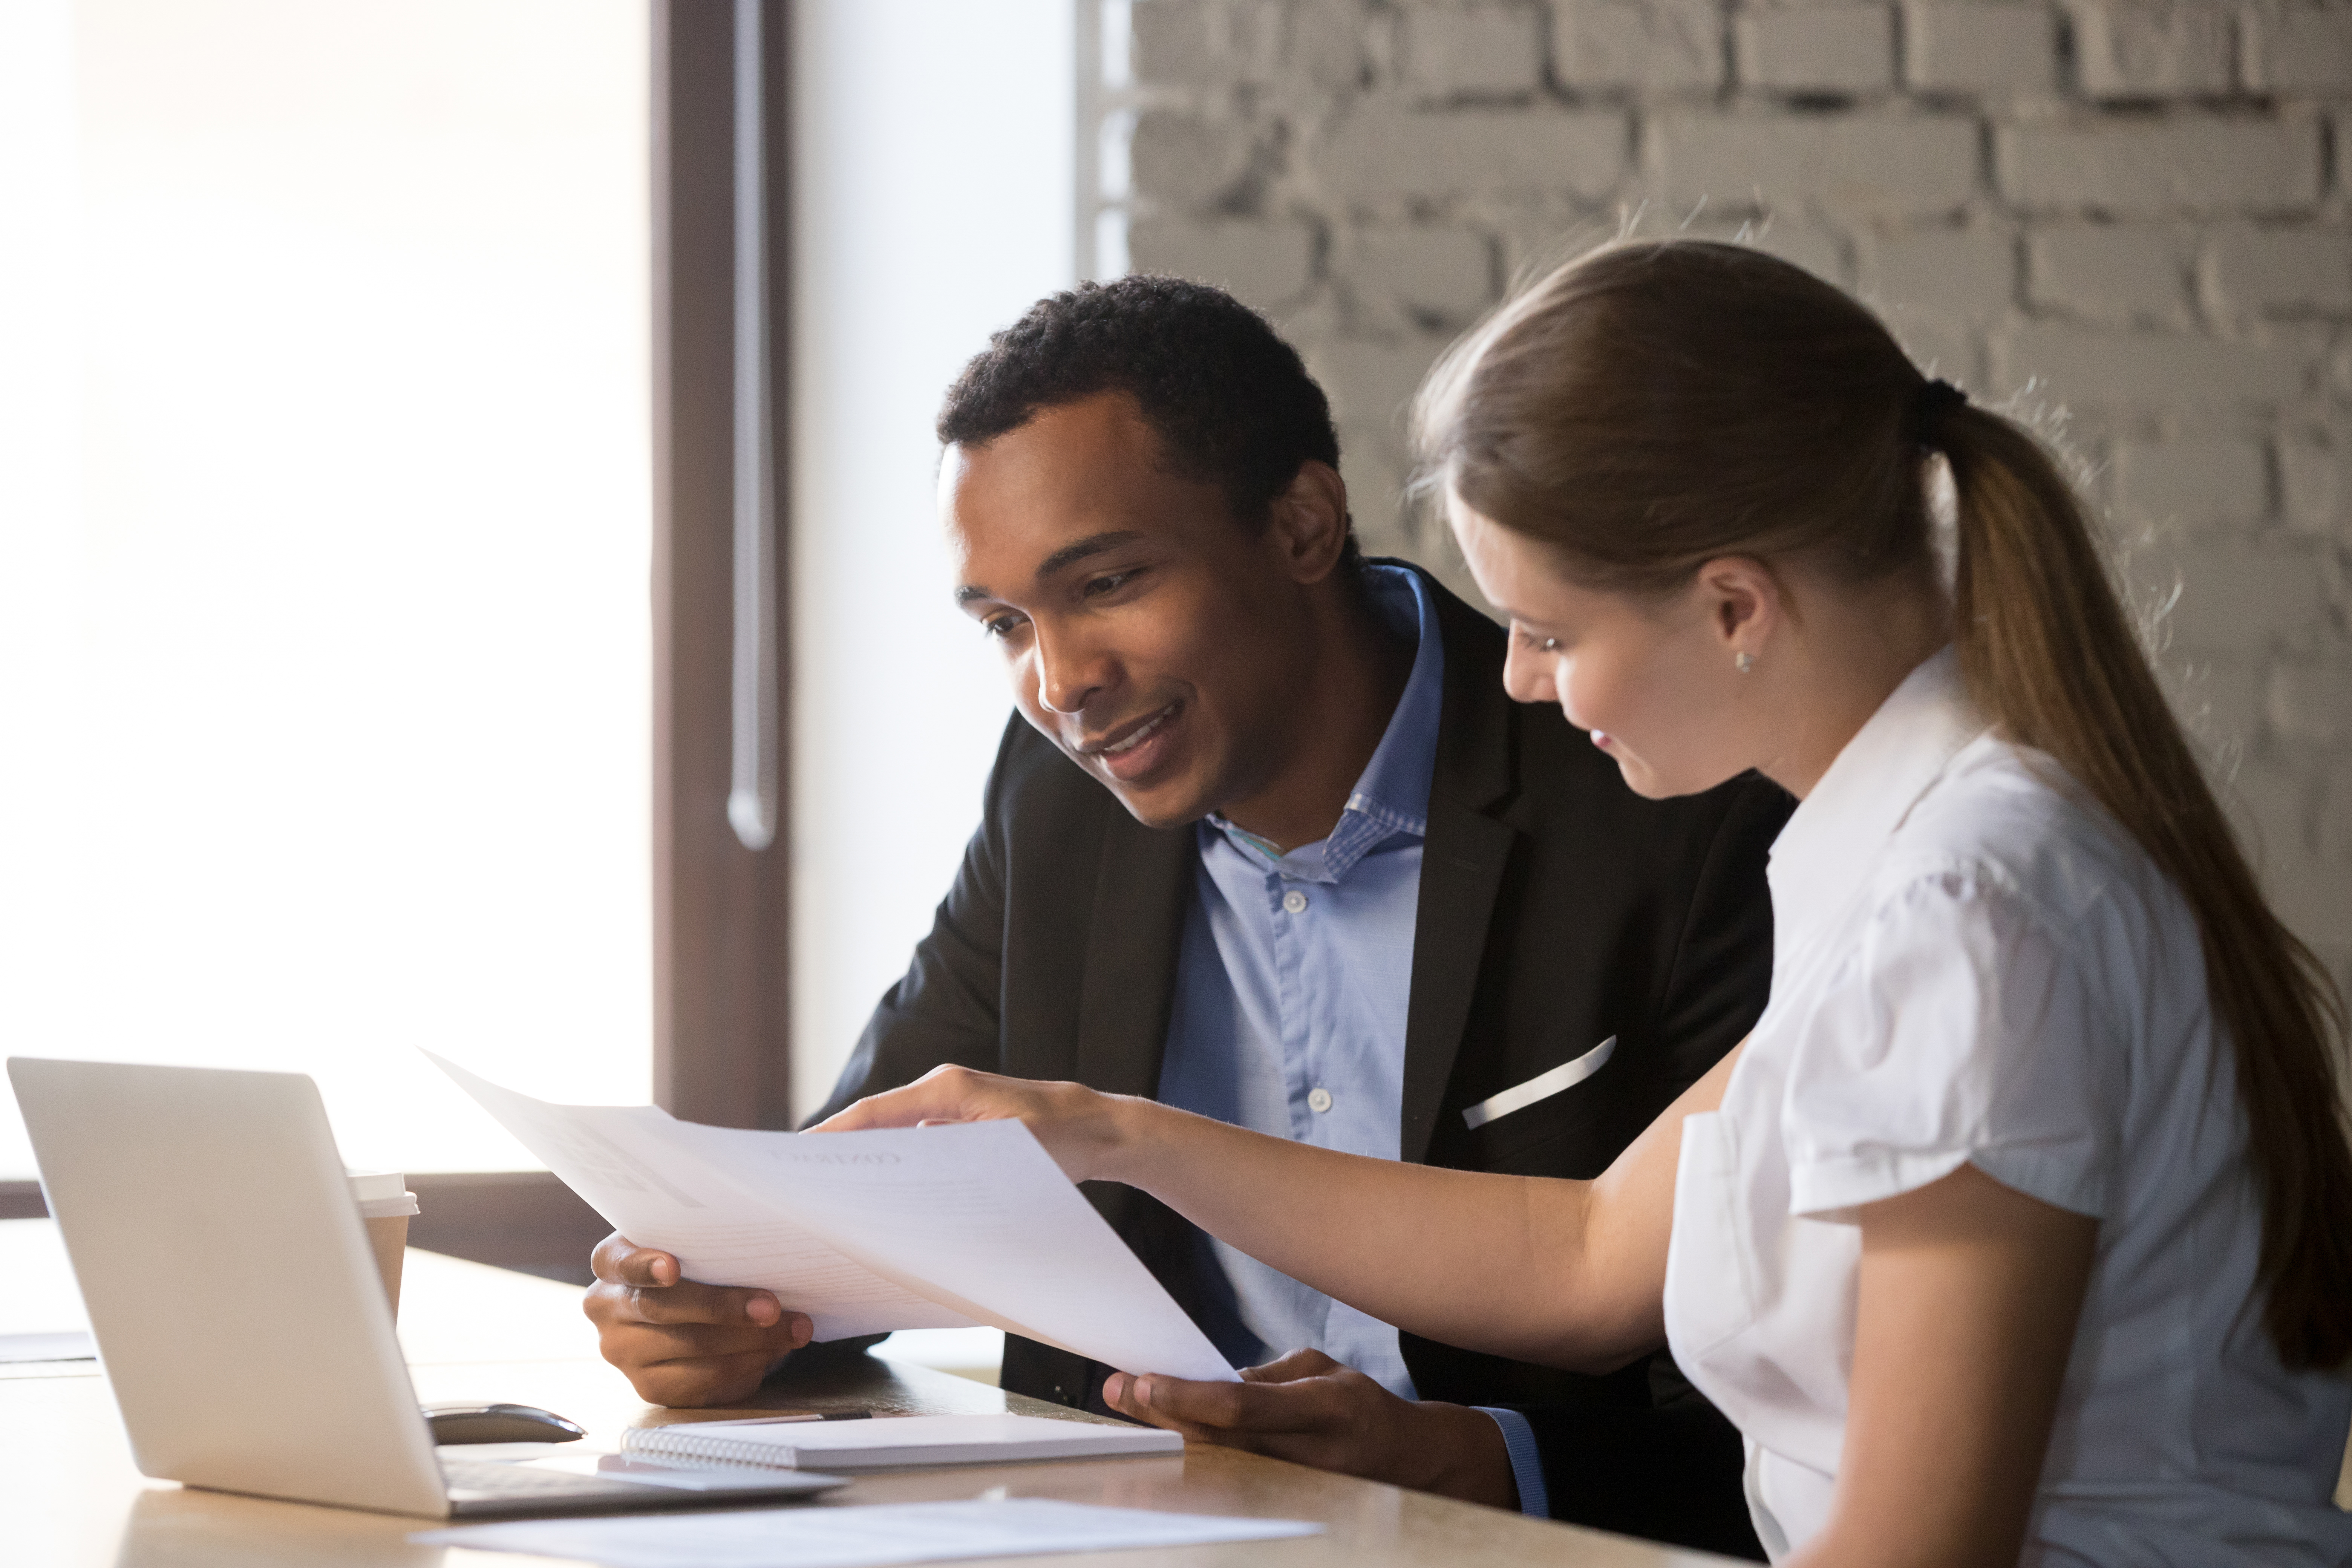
367 571
324 536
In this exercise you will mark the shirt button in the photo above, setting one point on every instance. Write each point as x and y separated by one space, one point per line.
1296 902
1318 1100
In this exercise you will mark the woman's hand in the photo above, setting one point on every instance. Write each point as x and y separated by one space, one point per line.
1083 1129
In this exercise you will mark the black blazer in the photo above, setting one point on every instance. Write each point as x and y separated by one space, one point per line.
1556 909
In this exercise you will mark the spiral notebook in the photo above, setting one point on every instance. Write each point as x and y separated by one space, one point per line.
893 1440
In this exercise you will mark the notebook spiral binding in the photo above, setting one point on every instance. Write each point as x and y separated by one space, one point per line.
669 1444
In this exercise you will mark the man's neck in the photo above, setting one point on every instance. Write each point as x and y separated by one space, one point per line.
1342 713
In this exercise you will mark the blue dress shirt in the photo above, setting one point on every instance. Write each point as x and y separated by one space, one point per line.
1289 1015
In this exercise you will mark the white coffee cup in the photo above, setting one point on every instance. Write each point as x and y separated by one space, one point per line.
386 1204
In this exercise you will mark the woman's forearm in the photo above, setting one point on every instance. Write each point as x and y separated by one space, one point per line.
1567 1273
1490 1263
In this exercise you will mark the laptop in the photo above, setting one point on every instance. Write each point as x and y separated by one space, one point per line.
239 1315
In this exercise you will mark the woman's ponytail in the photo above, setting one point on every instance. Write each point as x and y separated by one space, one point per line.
2048 652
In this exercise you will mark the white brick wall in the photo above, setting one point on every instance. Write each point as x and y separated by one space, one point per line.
2126 165
1667 44
1484 49
2136 50
2137 215
2300 49
2117 273
1836 48
1979 48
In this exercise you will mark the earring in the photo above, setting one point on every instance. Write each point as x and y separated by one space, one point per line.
1744 662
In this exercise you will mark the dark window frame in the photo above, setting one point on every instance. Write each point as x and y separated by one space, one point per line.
721 1042
721 912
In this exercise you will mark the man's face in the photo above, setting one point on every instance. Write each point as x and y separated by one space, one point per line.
1149 634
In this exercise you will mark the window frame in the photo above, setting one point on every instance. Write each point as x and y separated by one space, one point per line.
722 911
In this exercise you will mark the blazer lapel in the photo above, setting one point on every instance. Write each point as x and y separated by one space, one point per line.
1462 863
1143 889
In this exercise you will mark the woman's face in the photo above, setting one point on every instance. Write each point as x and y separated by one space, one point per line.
1656 681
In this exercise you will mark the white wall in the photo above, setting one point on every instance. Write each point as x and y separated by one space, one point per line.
933 201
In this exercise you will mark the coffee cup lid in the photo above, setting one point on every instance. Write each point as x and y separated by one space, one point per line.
381 1194
369 1185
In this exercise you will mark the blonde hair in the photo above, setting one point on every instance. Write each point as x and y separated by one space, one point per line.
1648 406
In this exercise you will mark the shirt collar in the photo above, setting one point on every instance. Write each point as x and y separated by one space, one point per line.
1836 833
1391 794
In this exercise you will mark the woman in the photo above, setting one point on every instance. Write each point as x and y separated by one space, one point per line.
2016 1227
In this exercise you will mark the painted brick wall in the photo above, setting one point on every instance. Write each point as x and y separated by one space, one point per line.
2133 218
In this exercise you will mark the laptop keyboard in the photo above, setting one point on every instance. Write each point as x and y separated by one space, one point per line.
483 1477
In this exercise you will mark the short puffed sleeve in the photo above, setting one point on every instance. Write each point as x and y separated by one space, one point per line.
1962 1027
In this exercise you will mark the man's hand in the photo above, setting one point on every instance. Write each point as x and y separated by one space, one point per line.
682 1343
1308 1408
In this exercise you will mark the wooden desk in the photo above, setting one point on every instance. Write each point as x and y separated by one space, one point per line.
71 1499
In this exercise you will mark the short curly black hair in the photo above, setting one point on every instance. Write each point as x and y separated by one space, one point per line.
1231 402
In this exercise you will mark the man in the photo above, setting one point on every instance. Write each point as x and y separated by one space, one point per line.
1268 841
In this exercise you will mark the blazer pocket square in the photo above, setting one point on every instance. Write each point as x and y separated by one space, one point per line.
1543 1086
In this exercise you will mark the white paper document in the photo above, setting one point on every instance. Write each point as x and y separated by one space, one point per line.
859 1537
866 1232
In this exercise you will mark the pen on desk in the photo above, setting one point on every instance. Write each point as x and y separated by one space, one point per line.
782 1417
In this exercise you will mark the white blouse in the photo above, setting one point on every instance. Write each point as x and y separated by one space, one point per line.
1972 964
